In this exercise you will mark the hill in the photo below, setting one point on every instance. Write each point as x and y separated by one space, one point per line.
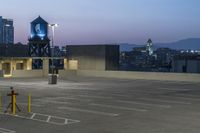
190 43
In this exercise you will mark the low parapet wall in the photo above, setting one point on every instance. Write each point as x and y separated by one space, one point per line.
27 73
65 74
185 77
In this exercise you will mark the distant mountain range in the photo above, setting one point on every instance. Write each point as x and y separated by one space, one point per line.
190 43
128 47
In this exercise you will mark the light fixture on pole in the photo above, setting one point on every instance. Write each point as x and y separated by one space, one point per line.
53 35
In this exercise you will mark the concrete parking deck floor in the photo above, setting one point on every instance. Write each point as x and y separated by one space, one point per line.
100 105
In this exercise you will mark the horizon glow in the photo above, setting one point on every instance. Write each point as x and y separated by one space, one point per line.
107 21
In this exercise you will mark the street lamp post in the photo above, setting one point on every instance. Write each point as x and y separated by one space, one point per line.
53 35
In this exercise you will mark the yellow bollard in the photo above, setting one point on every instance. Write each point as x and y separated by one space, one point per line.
29 103
14 105
0 103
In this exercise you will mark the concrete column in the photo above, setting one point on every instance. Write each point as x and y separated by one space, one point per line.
12 66
45 67
65 64
1 71
0 65
29 64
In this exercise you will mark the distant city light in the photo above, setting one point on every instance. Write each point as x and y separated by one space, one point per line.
7 25
53 25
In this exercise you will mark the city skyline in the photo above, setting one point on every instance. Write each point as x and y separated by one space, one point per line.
6 31
111 21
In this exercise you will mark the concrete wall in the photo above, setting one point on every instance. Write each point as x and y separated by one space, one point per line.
65 74
187 77
178 66
27 73
13 64
89 57
192 66
198 65
45 69
72 65
1 73
94 57
112 57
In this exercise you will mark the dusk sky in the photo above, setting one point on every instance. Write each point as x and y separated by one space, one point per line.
107 21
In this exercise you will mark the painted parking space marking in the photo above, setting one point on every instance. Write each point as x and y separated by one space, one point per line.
48 119
149 92
56 101
172 89
170 82
44 101
146 104
88 111
88 96
165 101
181 97
3 130
117 95
25 104
66 98
103 94
118 107
32 116
190 95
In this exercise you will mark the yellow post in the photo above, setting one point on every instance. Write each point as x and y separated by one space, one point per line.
14 105
0 103
29 103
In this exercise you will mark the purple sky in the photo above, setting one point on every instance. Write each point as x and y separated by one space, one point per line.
107 21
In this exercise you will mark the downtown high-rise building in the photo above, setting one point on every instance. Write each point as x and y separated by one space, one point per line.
6 31
149 47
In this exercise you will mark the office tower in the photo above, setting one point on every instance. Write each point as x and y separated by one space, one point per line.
149 47
6 31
